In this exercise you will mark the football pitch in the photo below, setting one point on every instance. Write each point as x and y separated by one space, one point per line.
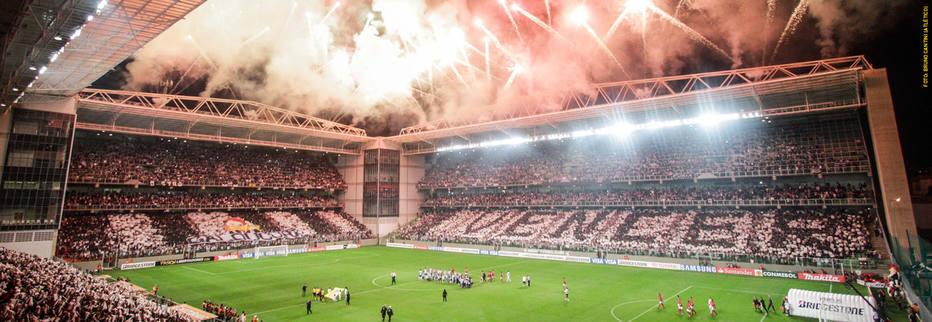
271 287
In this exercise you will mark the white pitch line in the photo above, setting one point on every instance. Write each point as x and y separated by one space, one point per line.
763 317
655 305
612 311
198 270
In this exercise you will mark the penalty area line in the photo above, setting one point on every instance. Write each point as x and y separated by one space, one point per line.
612 311
665 301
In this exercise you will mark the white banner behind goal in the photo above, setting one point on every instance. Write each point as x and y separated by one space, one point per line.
264 251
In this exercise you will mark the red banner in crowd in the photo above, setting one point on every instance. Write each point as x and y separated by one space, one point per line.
821 277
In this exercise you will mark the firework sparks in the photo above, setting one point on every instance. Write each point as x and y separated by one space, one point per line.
771 10
580 16
683 4
791 26
541 23
200 51
515 70
692 33
457 73
631 7
488 68
549 18
478 23
257 35
330 12
511 18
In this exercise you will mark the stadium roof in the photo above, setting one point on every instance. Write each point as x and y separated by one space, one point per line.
212 119
61 46
770 90
773 90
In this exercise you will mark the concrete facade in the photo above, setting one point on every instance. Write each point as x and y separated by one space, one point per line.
888 159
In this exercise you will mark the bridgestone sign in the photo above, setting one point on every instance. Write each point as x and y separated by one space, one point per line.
830 306
791 275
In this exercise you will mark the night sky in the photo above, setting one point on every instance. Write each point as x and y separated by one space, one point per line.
900 52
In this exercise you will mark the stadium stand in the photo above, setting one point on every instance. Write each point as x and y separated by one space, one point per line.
171 199
188 197
779 235
685 192
164 162
39 289
827 147
91 236
704 195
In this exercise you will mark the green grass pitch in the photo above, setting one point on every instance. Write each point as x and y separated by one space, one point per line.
271 287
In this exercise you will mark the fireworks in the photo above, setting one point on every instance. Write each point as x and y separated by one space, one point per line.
515 70
693 34
791 25
417 46
257 35
580 16
771 10
537 21
498 44
330 12
488 68
631 7
511 18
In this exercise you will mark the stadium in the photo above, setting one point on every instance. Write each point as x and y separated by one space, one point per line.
411 160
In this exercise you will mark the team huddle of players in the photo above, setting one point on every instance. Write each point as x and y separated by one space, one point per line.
463 279
690 306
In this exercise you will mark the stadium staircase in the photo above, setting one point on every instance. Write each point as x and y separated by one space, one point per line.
880 244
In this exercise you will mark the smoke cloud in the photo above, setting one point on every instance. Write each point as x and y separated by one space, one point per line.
386 64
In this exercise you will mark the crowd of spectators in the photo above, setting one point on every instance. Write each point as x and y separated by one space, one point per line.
784 234
102 200
40 289
92 236
147 161
705 194
675 154
225 312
